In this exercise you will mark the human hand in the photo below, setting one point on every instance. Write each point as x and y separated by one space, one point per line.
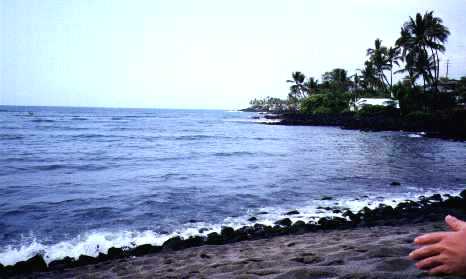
443 252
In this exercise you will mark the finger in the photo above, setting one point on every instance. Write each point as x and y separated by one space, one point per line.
430 238
424 252
429 263
439 270
454 223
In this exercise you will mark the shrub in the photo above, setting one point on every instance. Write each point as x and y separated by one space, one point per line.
372 110
322 110
327 103
419 116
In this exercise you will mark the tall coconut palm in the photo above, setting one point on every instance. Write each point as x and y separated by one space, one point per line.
393 55
311 85
297 89
419 36
370 78
379 59
437 36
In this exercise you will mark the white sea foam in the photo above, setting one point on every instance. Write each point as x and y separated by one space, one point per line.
93 243
252 120
417 135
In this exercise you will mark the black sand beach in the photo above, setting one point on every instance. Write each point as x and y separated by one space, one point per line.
375 252
368 244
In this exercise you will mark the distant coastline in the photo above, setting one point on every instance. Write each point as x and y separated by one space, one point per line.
447 125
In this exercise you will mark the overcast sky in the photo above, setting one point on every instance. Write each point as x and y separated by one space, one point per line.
193 53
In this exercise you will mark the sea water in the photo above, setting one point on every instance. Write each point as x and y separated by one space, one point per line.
81 180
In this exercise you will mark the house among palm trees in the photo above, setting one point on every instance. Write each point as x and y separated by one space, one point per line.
447 85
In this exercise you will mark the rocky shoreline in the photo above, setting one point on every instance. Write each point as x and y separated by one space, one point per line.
426 209
450 126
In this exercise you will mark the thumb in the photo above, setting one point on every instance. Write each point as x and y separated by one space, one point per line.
454 223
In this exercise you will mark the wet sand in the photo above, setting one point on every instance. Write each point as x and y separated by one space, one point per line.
371 252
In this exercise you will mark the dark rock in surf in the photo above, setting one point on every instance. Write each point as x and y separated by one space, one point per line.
174 243
145 249
194 241
284 222
354 218
326 198
293 212
395 183
227 234
333 223
214 239
86 260
116 253
252 219
203 230
298 227
34 264
66 262
463 194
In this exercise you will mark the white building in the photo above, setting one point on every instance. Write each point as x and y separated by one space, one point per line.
360 103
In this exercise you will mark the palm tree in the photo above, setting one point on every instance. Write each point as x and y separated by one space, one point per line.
393 55
370 79
297 89
336 79
437 36
311 85
417 37
379 59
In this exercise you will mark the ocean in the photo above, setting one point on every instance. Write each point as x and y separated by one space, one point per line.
81 180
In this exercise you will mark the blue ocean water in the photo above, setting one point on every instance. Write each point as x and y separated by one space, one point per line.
80 180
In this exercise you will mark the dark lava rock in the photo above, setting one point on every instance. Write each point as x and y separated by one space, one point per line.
262 231
34 264
284 222
262 213
214 239
395 183
203 230
455 202
298 227
194 241
333 223
463 194
145 249
293 212
326 198
252 219
436 197
227 233
66 262
174 243
86 260
115 253
355 218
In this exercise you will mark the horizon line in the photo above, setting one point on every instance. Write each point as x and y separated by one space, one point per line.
111 107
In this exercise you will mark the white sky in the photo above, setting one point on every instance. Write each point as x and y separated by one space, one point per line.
193 53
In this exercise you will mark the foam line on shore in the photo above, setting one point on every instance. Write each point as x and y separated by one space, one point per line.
95 242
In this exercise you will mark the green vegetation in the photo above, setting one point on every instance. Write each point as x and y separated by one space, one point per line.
414 58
